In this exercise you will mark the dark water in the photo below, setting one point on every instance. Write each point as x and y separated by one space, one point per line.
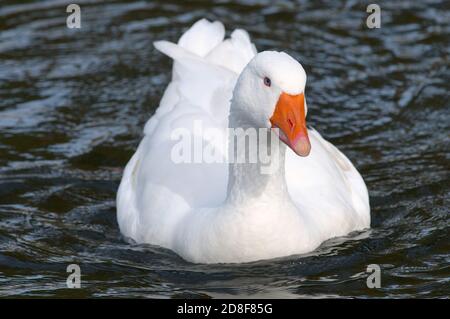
73 104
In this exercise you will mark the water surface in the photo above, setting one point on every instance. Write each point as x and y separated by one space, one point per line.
73 104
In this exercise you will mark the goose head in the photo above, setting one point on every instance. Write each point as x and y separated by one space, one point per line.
270 93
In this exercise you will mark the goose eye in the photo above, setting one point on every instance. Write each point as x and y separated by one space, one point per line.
267 81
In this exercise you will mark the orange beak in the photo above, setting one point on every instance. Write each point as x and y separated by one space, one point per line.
289 117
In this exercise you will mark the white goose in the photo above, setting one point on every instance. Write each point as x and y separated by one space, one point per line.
228 213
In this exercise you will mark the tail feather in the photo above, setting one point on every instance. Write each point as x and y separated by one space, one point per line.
176 52
234 53
202 37
204 41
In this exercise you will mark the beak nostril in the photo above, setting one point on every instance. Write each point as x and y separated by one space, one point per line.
291 124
